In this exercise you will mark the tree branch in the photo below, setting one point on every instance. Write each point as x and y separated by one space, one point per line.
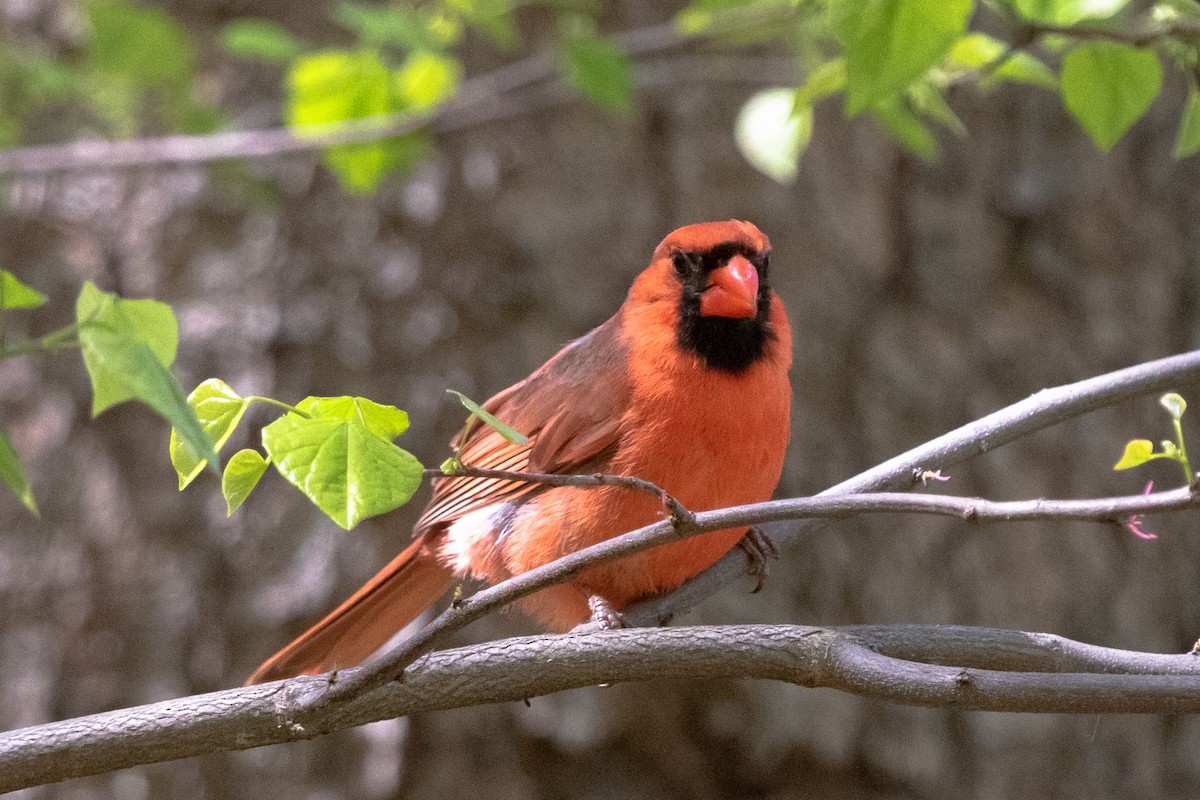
1047 407
465 611
964 668
676 509
1033 672
506 92
1185 31
484 98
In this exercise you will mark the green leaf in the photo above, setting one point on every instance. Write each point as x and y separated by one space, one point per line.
144 44
219 409
1174 404
14 476
1137 452
261 40
49 79
395 25
148 321
426 79
241 475
1108 86
14 294
929 101
128 347
827 79
890 43
493 18
906 126
1187 142
599 69
510 434
693 21
338 86
772 131
386 422
977 51
1067 12
339 463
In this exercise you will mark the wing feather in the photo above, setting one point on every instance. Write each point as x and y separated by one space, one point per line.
571 409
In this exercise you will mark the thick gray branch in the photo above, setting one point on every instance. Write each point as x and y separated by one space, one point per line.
979 669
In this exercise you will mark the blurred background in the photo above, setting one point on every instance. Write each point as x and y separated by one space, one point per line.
924 293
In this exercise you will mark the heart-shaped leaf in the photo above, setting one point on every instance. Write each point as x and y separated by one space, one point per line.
1137 452
241 475
14 294
128 347
219 409
342 458
1108 86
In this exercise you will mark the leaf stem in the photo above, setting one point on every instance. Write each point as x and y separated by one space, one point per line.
1182 452
61 339
272 401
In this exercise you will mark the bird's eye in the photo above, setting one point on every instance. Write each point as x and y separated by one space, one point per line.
681 264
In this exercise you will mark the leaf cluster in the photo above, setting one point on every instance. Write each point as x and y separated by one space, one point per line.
338 451
896 61
1140 451
131 72
403 65
128 347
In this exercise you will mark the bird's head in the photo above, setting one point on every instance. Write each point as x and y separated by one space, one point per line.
710 281
721 268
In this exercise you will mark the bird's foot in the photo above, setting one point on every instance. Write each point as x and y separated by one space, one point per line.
604 615
759 550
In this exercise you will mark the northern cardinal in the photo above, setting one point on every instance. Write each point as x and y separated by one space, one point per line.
686 386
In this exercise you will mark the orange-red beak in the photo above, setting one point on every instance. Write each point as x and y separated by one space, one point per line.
733 291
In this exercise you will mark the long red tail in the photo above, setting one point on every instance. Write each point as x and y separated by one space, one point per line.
361 625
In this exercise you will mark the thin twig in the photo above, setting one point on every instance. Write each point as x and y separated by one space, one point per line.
1047 407
465 611
1185 31
677 510
990 68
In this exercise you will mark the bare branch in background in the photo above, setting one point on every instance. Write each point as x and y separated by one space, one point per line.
510 90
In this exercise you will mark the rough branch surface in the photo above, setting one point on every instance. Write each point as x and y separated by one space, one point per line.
978 668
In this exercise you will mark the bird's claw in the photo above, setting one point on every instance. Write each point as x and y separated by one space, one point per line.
604 615
759 550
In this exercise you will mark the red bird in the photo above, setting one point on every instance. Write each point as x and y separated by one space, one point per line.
686 386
